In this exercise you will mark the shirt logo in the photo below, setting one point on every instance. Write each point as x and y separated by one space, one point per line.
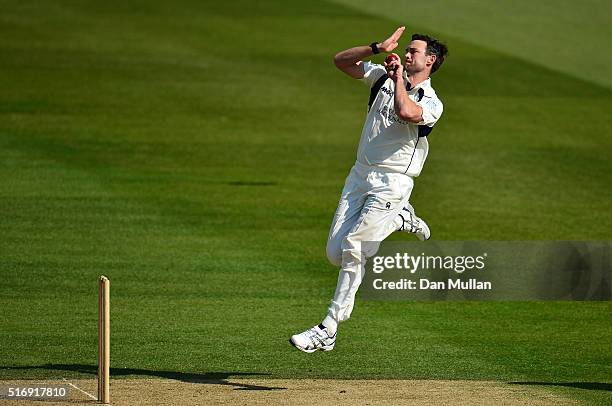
386 91
432 104
389 114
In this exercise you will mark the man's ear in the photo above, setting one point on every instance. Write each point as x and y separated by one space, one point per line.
430 59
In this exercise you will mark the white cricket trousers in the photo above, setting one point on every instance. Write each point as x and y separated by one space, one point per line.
366 214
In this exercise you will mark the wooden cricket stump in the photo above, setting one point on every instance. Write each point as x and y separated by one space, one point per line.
104 340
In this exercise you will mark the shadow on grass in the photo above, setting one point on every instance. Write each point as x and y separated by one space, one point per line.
216 378
580 385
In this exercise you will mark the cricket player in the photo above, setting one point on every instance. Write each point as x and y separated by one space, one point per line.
402 110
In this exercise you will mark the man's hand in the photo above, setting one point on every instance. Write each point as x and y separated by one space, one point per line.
394 67
350 60
391 43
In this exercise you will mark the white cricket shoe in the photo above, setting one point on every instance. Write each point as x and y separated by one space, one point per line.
313 339
413 224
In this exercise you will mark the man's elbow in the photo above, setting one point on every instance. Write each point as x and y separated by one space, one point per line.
410 116
338 61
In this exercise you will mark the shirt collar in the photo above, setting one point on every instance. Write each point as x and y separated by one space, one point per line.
424 84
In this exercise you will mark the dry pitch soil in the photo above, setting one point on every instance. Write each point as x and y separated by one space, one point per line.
300 392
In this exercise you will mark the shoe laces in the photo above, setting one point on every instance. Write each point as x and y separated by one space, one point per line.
413 222
415 226
316 332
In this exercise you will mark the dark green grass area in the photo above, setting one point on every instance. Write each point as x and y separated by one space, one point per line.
194 152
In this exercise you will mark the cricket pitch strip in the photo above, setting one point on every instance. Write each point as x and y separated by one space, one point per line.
229 391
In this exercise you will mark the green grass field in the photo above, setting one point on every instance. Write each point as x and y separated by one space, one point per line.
194 152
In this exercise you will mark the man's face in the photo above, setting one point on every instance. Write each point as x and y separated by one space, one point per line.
416 59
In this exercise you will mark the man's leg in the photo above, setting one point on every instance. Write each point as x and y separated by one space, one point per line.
349 208
374 225
386 196
362 241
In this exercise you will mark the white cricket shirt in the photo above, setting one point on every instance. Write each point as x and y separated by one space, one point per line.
387 141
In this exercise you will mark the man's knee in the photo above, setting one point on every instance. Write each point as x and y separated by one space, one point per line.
334 253
351 251
355 250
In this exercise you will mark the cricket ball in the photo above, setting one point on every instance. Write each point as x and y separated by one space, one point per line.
391 57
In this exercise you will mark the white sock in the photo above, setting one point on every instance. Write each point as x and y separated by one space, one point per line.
330 325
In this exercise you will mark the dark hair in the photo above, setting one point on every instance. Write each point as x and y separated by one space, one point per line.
434 47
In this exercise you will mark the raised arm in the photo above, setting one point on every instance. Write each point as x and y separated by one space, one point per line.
350 61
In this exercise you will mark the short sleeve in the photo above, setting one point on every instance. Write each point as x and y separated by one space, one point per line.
432 110
372 72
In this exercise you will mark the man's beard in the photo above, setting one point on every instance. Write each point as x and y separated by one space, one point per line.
411 69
